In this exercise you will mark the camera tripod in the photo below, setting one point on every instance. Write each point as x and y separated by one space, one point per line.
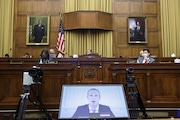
134 100
20 111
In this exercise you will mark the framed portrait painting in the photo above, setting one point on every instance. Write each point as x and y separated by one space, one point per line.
137 32
37 32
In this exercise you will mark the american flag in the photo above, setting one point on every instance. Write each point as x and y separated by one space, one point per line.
60 41
30 27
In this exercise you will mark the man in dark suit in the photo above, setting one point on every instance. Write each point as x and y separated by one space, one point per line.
139 32
145 57
93 109
39 31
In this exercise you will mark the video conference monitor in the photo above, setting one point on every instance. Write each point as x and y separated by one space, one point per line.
93 102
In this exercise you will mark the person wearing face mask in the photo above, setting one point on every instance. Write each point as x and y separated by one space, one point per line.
145 57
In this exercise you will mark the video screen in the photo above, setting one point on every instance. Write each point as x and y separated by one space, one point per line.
93 102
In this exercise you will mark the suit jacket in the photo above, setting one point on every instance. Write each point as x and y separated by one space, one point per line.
139 34
83 112
39 32
141 59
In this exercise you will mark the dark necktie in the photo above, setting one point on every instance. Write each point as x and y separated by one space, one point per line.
93 111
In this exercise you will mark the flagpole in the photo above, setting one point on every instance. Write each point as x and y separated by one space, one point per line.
60 15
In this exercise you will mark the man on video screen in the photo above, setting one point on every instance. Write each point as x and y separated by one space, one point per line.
93 108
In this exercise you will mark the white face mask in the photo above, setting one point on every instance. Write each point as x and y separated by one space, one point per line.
145 55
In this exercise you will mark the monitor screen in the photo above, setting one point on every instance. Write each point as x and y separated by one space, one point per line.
93 102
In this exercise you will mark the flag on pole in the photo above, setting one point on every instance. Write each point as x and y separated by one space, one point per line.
60 40
30 27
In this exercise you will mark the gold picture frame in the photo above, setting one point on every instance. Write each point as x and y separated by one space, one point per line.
37 32
137 30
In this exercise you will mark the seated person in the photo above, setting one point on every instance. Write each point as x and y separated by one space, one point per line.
6 55
93 107
60 55
89 51
44 57
145 57
52 55
26 55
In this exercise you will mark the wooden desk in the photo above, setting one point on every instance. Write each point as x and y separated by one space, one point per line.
11 83
158 83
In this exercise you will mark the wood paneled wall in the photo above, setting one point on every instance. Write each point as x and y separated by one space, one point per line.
35 7
122 10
